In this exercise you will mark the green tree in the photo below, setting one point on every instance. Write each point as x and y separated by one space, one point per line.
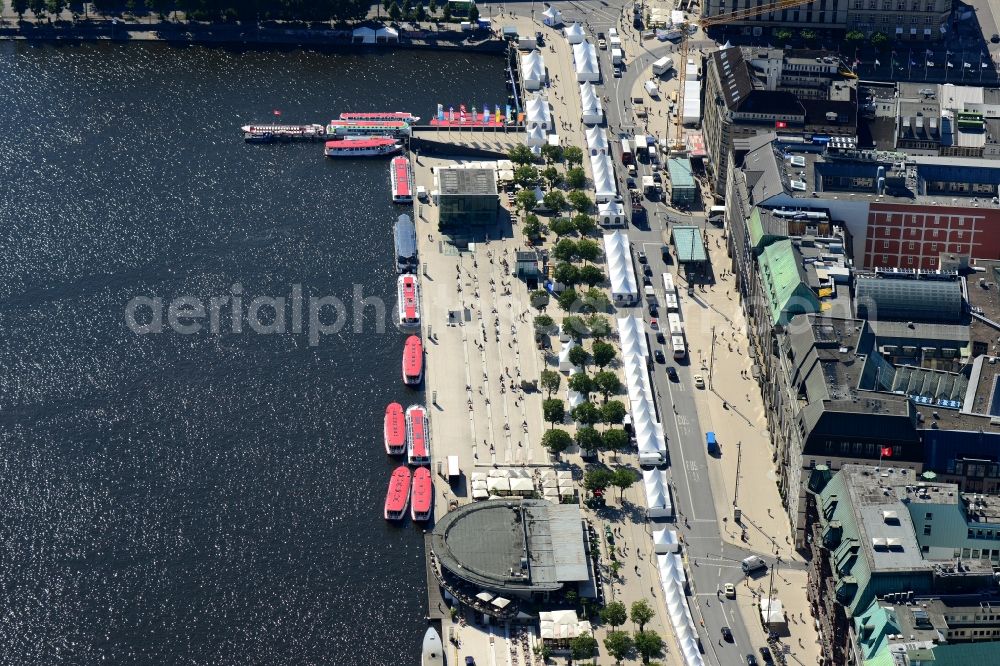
622 479
552 176
614 614
578 356
520 154
568 299
574 327
576 178
56 7
567 274
526 175
19 7
808 35
550 380
543 324
446 16
648 644
854 37
581 383
782 34
554 200
586 413
619 645
599 326
539 299
562 226
525 200
553 410
556 441
591 275
607 383
395 13
579 201
432 6
879 39
583 646
597 478
564 250
552 153
420 13
614 440
604 354
640 613
587 438
613 412
585 224
474 15
37 8
595 300
588 250
573 155
532 228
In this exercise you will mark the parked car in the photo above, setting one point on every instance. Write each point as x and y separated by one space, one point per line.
642 257
671 373
647 270
658 355
699 381
630 183
995 38
657 178
647 280
730 590
765 654
727 635
653 324
470 661
751 660
601 44
661 338
653 311
617 72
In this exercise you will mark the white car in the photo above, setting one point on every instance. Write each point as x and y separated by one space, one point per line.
699 381
601 44
730 590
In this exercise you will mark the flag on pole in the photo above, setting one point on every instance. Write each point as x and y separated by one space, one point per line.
498 114
965 64
508 116
930 64
877 63
950 64
486 114
887 451
440 111
451 114
461 113
277 112
984 65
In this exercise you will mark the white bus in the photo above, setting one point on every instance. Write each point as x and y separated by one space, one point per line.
677 342
674 324
668 284
716 214
670 302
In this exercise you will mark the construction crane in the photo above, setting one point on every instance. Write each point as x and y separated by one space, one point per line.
709 22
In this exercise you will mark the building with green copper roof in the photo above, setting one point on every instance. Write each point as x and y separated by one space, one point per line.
784 282
683 187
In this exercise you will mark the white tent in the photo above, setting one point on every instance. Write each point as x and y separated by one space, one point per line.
593 110
585 62
479 494
552 17
498 485
575 399
611 214
562 625
671 570
363 35
597 140
386 34
649 438
564 363
536 136
665 541
537 112
692 102
605 187
521 486
624 290
772 614
658 503
574 33
632 333
532 70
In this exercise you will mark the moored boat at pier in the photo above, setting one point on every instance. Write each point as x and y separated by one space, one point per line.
408 304
405 237
384 116
401 179
394 429
432 652
397 497
421 495
377 146
418 448
413 361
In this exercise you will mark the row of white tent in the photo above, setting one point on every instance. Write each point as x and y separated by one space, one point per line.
366 35
624 289
649 436
537 113
658 502
603 169
597 140
674 580
532 70
556 485
585 62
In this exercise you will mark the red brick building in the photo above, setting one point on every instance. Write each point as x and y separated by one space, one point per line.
914 236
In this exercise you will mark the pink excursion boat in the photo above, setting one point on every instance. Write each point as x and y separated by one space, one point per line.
395 429
421 495
401 179
413 361
377 146
418 450
397 497
408 301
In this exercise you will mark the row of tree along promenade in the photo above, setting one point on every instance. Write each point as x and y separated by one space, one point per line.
324 23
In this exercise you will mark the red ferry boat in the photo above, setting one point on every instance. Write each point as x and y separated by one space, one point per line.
362 147
401 178
422 495
413 361
395 429
418 436
397 498
408 302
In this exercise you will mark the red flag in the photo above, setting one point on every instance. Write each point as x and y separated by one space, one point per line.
277 112
887 451
780 124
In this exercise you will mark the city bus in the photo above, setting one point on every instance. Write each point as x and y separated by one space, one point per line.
680 350
670 302
716 214
674 324
668 284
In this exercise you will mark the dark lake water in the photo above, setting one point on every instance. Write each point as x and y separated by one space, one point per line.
199 499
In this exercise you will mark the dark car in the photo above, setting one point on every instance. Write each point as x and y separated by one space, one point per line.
469 661
647 280
727 635
660 358
617 73
995 38
653 312
657 178
647 270
539 39
630 182
671 373
765 654
642 257
601 35
751 660
660 337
